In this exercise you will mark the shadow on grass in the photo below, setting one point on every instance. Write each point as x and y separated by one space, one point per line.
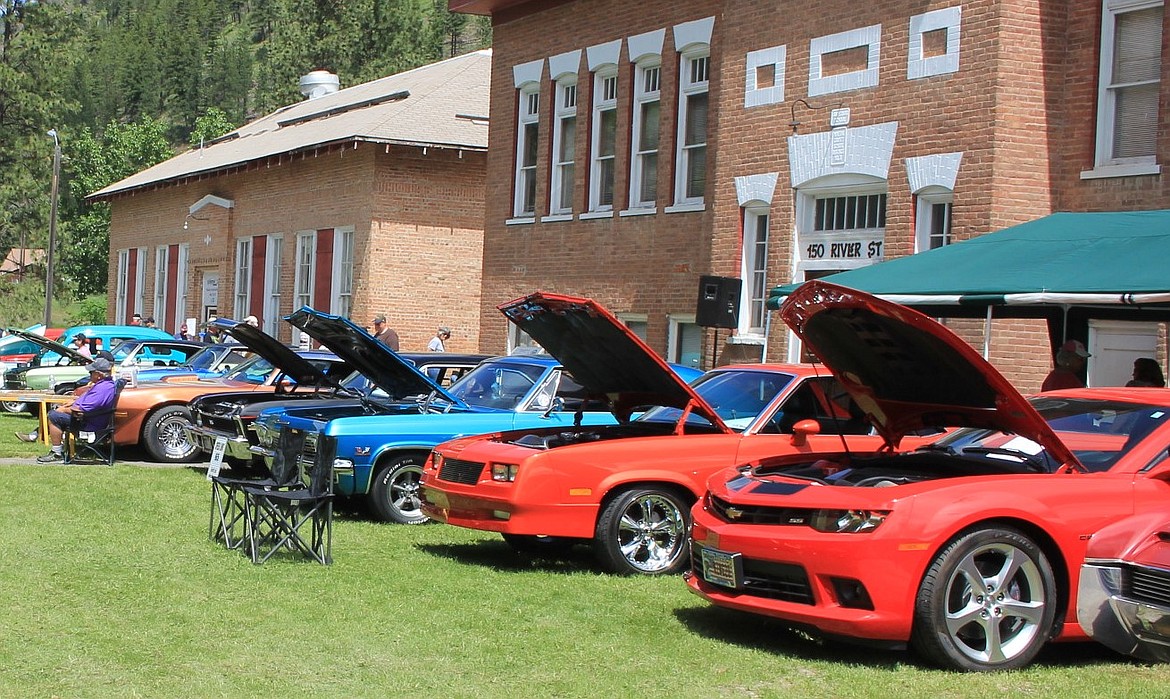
498 555
773 636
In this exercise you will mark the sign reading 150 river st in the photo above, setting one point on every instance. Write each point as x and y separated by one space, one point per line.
858 247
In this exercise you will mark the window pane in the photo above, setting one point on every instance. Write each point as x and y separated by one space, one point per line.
648 139
1137 54
696 128
530 134
608 136
1135 130
568 139
566 198
605 190
649 189
696 171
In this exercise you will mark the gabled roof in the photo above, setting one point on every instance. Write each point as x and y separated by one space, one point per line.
19 258
443 105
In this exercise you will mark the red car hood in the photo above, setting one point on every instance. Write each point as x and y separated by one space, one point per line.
603 355
907 371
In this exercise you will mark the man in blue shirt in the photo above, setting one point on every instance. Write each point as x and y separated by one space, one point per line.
95 404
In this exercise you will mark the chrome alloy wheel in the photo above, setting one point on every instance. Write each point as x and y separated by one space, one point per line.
651 533
995 603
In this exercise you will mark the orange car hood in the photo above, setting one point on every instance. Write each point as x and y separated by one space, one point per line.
906 370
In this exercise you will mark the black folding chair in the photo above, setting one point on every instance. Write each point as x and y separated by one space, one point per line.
295 519
82 445
228 499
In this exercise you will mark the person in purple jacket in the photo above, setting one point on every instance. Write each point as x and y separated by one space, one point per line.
96 401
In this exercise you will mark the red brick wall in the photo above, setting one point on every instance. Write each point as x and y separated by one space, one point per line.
368 188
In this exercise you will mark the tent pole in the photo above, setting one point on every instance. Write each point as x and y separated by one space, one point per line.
987 334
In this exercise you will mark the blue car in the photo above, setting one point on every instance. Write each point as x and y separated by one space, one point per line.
210 362
381 447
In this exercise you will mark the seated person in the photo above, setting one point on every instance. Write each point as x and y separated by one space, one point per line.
99 398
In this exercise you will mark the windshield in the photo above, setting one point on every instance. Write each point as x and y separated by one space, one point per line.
736 396
498 385
1097 431
254 371
123 350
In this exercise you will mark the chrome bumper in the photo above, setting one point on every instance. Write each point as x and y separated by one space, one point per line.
237 447
1128 626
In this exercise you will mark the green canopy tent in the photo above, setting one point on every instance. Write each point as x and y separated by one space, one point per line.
1066 267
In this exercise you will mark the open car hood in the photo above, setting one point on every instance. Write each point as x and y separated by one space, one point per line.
52 345
907 371
377 362
277 353
604 355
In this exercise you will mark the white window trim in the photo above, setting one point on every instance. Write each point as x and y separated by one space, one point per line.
924 215
643 96
753 94
122 287
342 271
181 288
919 66
845 185
161 257
564 88
273 254
140 281
1105 165
682 155
751 216
601 104
674 322
305 277
820 84
527 112
242 300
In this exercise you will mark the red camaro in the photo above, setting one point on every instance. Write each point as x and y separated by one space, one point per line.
968 549
627 488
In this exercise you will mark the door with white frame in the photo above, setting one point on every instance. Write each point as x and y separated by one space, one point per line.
1114 344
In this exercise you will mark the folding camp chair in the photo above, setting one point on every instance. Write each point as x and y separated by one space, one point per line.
299 519
92 445
228 499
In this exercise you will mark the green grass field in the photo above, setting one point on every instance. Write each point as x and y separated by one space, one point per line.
112 588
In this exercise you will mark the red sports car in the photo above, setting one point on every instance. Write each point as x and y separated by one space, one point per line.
968 549
627 489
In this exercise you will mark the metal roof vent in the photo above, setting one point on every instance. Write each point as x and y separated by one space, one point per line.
319 83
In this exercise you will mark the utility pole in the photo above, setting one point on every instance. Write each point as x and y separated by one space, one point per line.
52 229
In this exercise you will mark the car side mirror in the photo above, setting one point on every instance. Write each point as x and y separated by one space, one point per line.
802 430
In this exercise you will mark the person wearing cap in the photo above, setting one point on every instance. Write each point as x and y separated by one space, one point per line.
1070 365
136 319
98 399
384 333
436 343
81 343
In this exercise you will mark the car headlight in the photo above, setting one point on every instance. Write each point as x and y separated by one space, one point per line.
505 473
847 521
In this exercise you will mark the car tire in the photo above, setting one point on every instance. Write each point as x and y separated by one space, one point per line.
952 619
13 406
394 493
165 439
644 531
541 546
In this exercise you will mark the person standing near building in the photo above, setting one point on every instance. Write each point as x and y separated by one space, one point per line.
1070 364
437 342
385 334
1147 372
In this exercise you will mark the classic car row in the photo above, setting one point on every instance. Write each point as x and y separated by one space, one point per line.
899 492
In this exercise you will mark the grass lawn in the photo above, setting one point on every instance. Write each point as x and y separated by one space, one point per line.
111 588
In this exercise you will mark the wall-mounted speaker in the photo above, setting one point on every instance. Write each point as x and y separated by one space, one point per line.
718 305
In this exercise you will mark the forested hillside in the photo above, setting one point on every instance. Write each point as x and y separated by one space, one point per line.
127 83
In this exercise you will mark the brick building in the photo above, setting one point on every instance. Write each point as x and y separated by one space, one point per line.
637 147
358 202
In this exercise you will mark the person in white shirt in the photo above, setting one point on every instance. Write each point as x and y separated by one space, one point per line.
436 343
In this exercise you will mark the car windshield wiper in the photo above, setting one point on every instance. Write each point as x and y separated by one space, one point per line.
1034 462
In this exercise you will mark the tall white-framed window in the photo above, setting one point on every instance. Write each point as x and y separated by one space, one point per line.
520 342
684 341
139 299
305 276
933 219
1129 87
342 285
645 134
603 139
161 260
181 288
527 138
564 147
243 298
123 286
754 271
691 149
272 267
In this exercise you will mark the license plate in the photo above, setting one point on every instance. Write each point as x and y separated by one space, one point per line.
722 568
217 457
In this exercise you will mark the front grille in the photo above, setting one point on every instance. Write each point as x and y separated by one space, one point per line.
219 423
1147 585
460 471
786 582
748 514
